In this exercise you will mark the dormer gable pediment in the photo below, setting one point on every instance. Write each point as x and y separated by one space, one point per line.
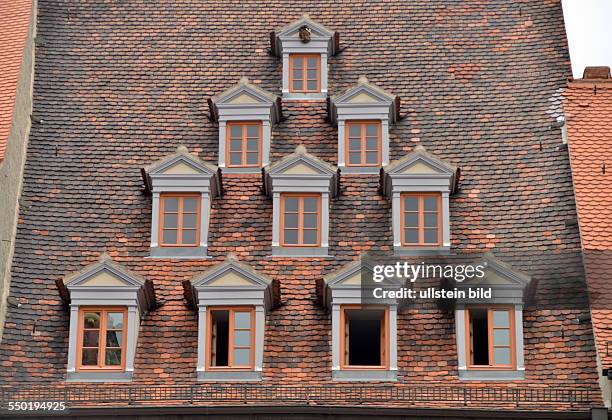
181 163
364 98
307 32
103 273
232 274
302 163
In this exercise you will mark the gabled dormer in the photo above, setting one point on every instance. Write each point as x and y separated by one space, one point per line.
419 186
305 47
301 186
182 186
363 114
246 115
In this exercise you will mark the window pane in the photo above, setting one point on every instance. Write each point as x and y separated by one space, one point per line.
190 221
113 357
355 130
501 337
252 158
242 338
298 63
170 220
235 131
501 319
291 237
90 338
310 204
252 145
430 219
411 204
170 236
114 321
190 204
312 85
430 203
371 157
354 144
235 158
171 204
242 320
312 74
310 237
372 130
298 74
242 357
310 220
90 357
355 158
114 339
252 130
291 204
312 62
411 236
91 320
235 145
371 143
430 236
219 336
501 355
411 219
189 237
291 220
297 85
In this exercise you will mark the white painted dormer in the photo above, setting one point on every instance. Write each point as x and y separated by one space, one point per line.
363 114
305 47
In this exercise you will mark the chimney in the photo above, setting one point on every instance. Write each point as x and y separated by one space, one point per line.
596 72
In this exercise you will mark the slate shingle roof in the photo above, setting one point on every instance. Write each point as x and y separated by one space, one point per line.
14 21
120 85
588 108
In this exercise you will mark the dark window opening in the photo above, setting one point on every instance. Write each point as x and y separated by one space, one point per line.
479 329
364 337
220 341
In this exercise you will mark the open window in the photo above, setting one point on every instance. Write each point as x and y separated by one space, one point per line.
490 343
231 336
365 338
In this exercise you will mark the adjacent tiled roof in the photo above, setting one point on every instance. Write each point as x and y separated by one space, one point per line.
14 22
121 84
588 109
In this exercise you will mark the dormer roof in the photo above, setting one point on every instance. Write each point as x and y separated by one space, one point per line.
365 95
313 34
245 96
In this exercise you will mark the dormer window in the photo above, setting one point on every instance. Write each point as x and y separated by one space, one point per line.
363 114
301 186
246 115
182 186
305 47
419 186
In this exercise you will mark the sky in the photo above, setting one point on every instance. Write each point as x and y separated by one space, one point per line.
588 24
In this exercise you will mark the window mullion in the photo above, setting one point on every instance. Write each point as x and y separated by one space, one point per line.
179 223
101 341
362 143
421 220
244 144
300 221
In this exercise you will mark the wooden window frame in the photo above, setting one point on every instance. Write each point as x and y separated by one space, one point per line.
232 310
300 228
491 366
421 223
304 79
179 228
385 338
243 158
362 149
101 339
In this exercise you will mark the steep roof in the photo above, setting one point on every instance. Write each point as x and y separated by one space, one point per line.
588 109
14 21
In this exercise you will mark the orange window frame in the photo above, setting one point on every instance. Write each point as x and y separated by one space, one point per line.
362 148
304 79
230 348
300 229
101 339
384 339
421 221
491 344
179 228
243 159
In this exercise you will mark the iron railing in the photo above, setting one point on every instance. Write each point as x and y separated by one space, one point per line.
405 395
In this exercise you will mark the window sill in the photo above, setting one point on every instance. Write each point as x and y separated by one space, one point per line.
362 170
99 376
491 375
237 170
295 96
220 376
364 375
418 251
296 251
196 252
